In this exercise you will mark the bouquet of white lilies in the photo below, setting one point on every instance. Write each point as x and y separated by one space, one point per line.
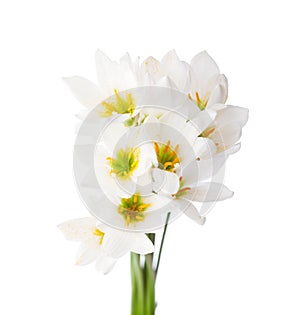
151 146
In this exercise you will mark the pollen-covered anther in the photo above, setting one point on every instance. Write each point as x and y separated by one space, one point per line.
201 103
166 156
118 105
125 162
133 209
100 234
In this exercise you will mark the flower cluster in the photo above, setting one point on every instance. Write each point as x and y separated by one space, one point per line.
165 133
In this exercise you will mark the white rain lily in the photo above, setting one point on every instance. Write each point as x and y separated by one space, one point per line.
226 129
209 88
170 72
149 72
113 77
175 143
122 169
112 203
193 189
103 244
178 71
201 80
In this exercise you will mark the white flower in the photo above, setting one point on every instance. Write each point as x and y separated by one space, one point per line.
201 80
112 78
208 88
121 169
226 129
194 189
148 148
103 244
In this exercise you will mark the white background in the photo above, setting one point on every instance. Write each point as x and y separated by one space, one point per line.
245 260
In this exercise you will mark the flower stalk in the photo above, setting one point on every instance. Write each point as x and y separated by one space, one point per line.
143 277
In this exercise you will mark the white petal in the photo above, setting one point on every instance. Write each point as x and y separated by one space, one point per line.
112 134
204 69
187 129
141 244
232 114
108 182
87 93
147 79
235 148
106 73
126 61
128 186
147 158
164 181
88 251
178 71
227 135
191 211
204 148
207 192
78 229
105 263
202 119
209 167
151 66
219 92
166 82
116 243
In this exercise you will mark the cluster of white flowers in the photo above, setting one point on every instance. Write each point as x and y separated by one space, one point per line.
152 160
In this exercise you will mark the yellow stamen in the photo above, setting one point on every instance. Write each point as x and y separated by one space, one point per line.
167 147
156 147
207 132
177 160
132 209
198 98
99 233
168 164
144 206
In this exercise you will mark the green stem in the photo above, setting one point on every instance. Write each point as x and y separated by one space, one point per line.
152 239
143 279
149 278
149 286
137 281
162 242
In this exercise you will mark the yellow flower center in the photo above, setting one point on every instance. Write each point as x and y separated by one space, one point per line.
118 105
125 163
166 156
100 234
201 103
133 209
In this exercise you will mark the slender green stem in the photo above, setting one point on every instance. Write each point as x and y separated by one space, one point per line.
152 239
143 277
162 242
149 286
137 281
149 280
